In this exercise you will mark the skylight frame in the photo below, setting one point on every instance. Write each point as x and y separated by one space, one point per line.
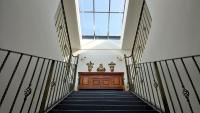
109 12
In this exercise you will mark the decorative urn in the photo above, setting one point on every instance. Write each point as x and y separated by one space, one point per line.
112 66
90 66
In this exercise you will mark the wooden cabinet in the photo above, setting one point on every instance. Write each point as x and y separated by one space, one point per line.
101 80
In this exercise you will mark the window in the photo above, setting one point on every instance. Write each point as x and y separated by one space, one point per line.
101 19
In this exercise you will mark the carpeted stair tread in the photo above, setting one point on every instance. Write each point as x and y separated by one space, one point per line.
103 111
95 95
102 101
104 107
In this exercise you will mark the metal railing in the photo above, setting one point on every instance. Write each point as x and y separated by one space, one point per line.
62 31
33 84
170 85
142 32
28 79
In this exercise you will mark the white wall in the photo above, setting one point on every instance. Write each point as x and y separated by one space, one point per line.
28 26
175 29
104 57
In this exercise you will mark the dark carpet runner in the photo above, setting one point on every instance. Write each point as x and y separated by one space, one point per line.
102 101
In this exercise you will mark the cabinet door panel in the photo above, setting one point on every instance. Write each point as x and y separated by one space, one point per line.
116 80
85 80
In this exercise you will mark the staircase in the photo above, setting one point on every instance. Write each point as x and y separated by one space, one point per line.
102 101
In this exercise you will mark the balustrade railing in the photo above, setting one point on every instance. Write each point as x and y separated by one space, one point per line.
31 84
170 85
34 84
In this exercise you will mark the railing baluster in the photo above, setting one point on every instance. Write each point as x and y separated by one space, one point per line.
21 82
150 84
173 85
143 82
185 91
64 87
137 89
59 88
67 77
147 82
195 62
53 100
59 83
29 108
188 75
10 80
140 81
45 74
65 83
51 85
56 81
28 90
47 87
4 61
131 76
162 90
156 85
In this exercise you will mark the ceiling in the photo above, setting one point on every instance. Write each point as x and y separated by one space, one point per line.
130 24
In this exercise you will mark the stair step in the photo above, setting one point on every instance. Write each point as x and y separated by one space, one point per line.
101 92
103 111
104 98
110 94
103 102
102 107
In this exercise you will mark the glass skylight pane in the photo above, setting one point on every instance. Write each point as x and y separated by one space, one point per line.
86 5
101 5
87 23
115 24
101 24
117 5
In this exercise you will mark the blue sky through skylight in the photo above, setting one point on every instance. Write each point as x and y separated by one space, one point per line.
101 19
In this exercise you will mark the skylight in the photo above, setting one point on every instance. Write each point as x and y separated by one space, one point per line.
101 19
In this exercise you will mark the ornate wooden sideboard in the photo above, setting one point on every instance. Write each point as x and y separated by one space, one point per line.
101 80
